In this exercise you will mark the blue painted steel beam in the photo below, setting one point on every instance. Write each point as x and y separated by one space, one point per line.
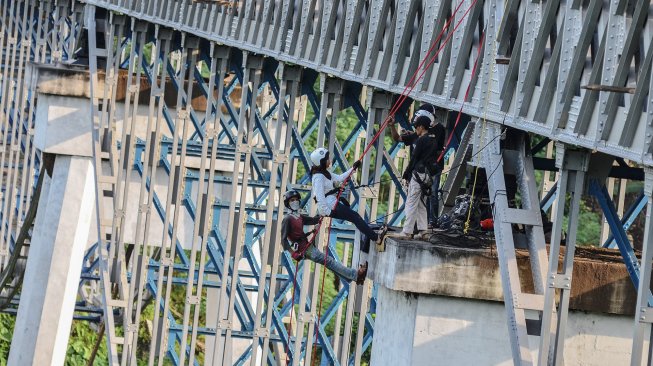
599 191
550 197
629 217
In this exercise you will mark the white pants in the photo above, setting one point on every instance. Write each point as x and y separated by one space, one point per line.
415 208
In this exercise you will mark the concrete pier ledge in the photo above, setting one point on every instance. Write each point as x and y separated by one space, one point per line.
444 301
600 281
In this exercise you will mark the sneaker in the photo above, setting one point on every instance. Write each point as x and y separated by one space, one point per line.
362 274
423 235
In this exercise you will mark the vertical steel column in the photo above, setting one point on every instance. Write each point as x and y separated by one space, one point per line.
157 69
218 58
362 210
159 75
127 156
498 161
185 79
332 90
641 352
16 116
11 21
180 66
142 251
29 152
290 86
253 66
572 166
39 47
101 181
379 104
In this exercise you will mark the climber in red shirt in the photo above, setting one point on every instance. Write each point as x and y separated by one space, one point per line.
295 240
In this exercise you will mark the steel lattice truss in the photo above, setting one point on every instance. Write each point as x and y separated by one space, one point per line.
180 150
201 121
31 32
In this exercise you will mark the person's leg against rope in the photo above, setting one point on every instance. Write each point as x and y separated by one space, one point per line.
413 199
343 212
315 255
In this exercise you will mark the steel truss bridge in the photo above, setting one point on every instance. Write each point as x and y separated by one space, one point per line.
234 95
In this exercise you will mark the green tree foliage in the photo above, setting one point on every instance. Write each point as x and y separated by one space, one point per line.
80 345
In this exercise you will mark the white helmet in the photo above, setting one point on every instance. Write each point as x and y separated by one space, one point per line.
319 154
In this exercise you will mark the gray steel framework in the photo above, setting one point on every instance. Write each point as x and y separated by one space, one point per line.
31 32
549 51
177 139
535 65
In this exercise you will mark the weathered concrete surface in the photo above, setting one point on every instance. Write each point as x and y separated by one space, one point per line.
423 330
54 264
600 282
74 81
442 304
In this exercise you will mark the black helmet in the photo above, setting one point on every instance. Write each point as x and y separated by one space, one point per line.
426 113
288 195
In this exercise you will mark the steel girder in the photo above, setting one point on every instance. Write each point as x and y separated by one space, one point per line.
550 51
537 91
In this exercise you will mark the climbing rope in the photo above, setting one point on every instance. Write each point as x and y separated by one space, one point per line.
483 128
424 65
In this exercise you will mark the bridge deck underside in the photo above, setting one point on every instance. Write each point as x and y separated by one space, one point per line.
536 61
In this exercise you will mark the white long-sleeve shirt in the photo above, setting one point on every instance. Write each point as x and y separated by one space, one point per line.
322 185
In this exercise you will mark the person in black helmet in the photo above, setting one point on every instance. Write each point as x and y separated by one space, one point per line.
435 117
295 240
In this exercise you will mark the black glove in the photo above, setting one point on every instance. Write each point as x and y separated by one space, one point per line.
357 164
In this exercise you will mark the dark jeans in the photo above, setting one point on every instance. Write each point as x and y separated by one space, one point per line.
434 200
343 212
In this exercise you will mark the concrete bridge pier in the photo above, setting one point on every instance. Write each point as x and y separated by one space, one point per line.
54 265
442 303
59 237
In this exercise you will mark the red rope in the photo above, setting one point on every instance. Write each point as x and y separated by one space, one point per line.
292 310
415 78
407 90
460 112
421 70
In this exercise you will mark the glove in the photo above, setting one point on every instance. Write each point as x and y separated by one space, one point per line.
357 164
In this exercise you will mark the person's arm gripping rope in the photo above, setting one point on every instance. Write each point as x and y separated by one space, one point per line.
393 129
339 178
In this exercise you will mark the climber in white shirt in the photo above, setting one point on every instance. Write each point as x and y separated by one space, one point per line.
325 194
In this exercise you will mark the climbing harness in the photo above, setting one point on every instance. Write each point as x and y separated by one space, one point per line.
301 248
418 75
425 185
409 87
